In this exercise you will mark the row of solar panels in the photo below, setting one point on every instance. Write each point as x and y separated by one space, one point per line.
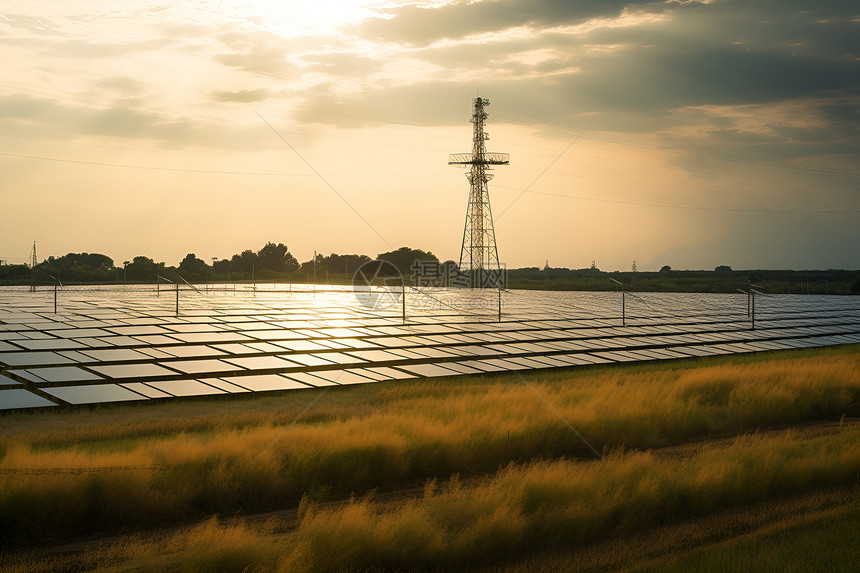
112 346
46 386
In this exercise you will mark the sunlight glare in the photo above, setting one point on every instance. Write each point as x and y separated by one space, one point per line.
319 17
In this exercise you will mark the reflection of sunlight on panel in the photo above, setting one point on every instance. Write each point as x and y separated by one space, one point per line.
130 346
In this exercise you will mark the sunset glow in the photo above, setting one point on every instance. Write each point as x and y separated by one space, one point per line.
705 133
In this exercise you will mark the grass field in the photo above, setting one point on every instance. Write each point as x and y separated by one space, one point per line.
488 469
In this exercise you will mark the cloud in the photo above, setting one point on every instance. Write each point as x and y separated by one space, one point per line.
774 80
342 64
20 113
421 26
33 24
261 59
243 96
254 50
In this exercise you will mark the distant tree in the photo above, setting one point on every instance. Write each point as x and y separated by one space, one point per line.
244 262
221 268
340 264
78 267
91 260
12 273
308 267
723 269
856 286
665 269
142 269
277 258
193 269
404 258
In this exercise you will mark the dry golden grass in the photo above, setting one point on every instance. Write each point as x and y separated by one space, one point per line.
195 459
551 504
519 510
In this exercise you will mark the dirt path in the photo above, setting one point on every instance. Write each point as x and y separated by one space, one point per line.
641 550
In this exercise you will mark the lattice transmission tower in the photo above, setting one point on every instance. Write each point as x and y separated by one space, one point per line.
479 257
33 263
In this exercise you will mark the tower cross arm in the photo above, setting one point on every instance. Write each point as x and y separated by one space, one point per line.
489 158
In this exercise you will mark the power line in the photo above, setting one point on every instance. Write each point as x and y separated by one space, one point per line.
696 154
204 171
151 167
698 208
675 187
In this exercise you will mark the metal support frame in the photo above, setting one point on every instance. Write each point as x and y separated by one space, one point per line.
623 301
57 284
159 278
479 255
751 303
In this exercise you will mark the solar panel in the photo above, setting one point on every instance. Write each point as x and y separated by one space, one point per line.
107 344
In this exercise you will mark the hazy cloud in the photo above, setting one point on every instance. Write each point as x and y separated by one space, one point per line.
262 59
760 63
28 115
342 64
759 88
242 96
420 25
33 24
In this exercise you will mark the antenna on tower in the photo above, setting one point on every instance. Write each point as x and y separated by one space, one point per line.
479 255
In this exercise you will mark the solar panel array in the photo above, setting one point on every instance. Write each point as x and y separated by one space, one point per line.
121 344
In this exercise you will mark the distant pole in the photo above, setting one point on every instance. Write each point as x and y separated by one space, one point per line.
752 298
177 299
55 298
158 285
623 300
623 308
403 291
500 304
33 269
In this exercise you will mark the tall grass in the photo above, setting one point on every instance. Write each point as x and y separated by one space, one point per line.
559 503
519 510
385 435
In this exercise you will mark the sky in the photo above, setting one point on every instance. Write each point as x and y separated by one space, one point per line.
689 134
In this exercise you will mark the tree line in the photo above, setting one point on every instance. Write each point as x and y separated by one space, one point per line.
274 262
